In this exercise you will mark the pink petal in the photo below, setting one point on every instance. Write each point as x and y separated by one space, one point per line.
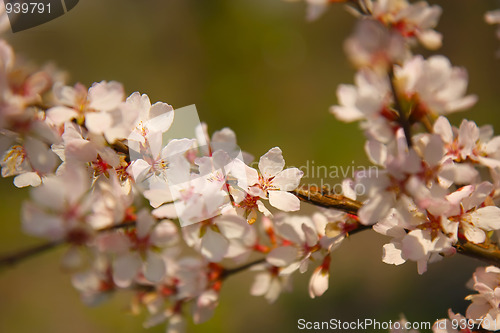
282 256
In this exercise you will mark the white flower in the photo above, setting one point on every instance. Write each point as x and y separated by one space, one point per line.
493 17
99 107
220 237
205 305
433 85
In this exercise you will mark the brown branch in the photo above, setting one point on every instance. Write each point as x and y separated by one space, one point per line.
403 118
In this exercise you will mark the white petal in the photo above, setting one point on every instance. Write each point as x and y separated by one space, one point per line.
376 151
157 197
415 245
434 150
162 117
166 211
311 235
261 284
487 218
27 179
392 254
139 169
318 283
38 223
282 256
473 234
232 226
177 147
375 209
41 158
105 96
443 128
284 201
164 233
430 39
144 223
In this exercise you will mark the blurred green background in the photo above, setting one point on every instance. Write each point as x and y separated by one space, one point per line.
259 68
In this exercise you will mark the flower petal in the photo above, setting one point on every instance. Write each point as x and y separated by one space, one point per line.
271 163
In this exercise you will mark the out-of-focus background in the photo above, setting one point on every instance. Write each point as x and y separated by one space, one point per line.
258 67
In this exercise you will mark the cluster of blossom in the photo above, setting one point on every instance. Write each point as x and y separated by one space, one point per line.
94 157
171 216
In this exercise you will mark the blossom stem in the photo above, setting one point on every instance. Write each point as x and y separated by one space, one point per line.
403 118
12 259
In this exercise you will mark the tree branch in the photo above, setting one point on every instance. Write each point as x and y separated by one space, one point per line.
322 197
16 257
